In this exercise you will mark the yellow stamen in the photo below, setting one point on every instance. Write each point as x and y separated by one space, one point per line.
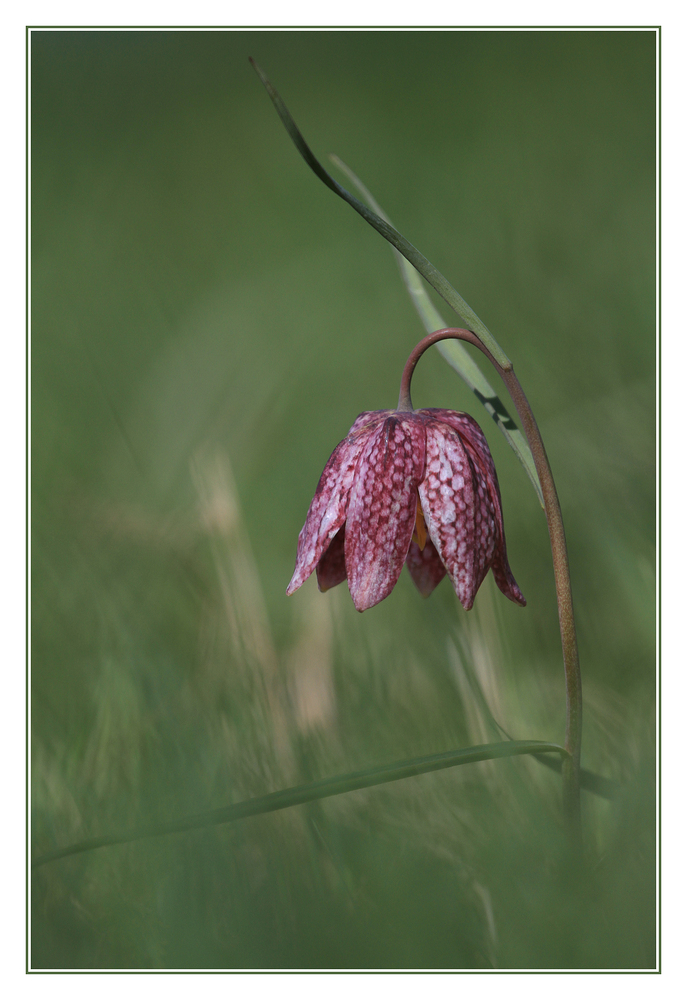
420 533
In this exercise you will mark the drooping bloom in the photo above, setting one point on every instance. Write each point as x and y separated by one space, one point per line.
417 487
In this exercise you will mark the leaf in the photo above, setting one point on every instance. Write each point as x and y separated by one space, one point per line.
314 790
415 263
428 271
452 350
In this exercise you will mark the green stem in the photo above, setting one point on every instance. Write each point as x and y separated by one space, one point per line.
559 552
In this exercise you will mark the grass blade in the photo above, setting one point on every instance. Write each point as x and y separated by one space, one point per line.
428 271
313 790
597 784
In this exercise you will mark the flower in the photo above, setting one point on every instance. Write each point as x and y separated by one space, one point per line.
416 487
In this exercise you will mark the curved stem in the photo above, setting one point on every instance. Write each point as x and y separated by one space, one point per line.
559 552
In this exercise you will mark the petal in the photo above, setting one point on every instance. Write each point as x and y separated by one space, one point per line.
425 567
328 509
382 507
505 580
476 445
471 435
331 569
368 419
458 510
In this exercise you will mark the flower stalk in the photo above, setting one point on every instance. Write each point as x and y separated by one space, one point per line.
559 552
486 343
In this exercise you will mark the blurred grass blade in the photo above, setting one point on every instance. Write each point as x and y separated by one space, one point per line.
411 253
452 350
605 788
315 790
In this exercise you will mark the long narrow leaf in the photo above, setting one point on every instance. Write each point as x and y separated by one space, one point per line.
428 271
452 350
314 790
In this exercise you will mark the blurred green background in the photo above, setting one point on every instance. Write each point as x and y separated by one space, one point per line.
208 320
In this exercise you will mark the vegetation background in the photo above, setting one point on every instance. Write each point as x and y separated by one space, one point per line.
208 320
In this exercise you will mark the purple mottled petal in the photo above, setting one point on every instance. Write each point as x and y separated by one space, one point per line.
331 569
476 445
425 567
471 434
457 509
505 580
368 420
328 509
382 507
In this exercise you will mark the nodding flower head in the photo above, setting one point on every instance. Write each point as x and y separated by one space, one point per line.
407 486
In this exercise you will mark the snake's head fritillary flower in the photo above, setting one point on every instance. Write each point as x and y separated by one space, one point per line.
407 486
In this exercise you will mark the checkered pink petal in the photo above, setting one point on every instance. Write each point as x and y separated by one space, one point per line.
382 507
476 445
470 432
328 509
505 580
360 523
331 569
425 567
457 509
367 420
